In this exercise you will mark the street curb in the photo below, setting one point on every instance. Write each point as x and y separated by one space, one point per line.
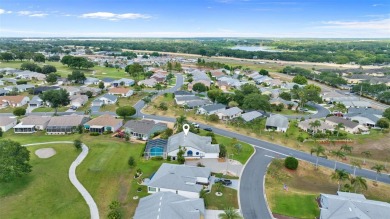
264 193
239 181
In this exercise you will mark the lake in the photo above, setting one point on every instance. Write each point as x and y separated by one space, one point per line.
256 48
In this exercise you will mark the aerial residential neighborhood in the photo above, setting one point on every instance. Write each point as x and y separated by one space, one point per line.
222 109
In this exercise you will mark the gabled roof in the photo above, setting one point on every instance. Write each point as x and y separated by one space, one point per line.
202 143
67 120
35 100
143 126
13 99
119 90
213 107
249 116
183 93
277 121
107 80
231 111
179 177
104 120
163 205
345 122
35 120
110 97
4 120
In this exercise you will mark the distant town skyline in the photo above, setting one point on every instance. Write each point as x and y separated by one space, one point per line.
200 18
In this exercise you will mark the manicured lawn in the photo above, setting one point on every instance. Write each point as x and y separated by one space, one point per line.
10 109
228 199
292 205
46 192
124 101
39 136
49 109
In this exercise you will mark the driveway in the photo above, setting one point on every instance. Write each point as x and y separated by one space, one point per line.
233 167
95 108
322 112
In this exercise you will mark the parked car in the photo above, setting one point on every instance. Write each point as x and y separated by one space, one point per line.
208 129
226 182
73 107
195 125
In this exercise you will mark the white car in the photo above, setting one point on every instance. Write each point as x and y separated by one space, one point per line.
195 125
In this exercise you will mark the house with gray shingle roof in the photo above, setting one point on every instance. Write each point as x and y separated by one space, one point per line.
351 205
183 180
211 109
277 122
108 99
7 123
229 114
125 81
249 116
59 125
169 205
32 123
195 146
143 129
348 125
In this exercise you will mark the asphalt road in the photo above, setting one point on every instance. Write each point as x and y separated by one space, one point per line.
322 112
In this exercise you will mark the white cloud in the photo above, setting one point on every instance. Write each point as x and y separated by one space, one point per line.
38 15
32 13
2 11
115 17
382 24
24 12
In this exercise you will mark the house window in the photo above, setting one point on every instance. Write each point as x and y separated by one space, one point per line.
197 153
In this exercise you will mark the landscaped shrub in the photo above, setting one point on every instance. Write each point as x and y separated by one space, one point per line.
21 82
169 158
157 158
94 134
291 163
300 138
213 118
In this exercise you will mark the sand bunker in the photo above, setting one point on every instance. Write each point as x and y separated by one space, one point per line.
45 152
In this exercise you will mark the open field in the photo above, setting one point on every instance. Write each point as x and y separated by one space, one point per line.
304 185
124 101
46 191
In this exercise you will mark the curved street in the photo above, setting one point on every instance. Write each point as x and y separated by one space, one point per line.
93 209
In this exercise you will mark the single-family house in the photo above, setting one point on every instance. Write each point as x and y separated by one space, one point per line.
217 73
32 123
365 116
351 205
39 90
223 85
249 116
20 87
7 123
151 82
277 122
123 82
160 78
13 101
183 180
95 91
104 123
35 102
78 100
182 93
59 125
107 99
286 103
290 85
306 126
228 114
169 205
195 146
348 125
3 92
72 90
211 109
121 91
206 83
90 80
143 129
182 100
197 103
107 81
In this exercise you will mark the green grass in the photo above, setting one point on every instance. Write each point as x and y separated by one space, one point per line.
46 192
124 101
228 199
11 109
49 109
296 205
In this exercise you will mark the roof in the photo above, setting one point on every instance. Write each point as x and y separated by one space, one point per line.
169 205
67 120
364 117
6 120
12 99
35 100
352 205
187 98
183 93
201 143
110 97
179 177
119 90
277 121
365 110
231 111
107 79
285 102
213 107
157 142
197 103
142 126
104 120
35 120
249 116
306 124
337 120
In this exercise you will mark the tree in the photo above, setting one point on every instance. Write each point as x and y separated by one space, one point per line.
213 118
6 56
47 69
131 161
38 57
346 148
30 66
19 111
383 123
222 151
233 104
13 160
180 121
77 144
318 150
256 101
291 163
56 98
77 77
366 154
300 79
339 176
101 85
180 155
89 94
125 111
51 78
355 164
213 94
263 72
1 132
67 60
229 213
285 96
338 154
359 183
314 125
134 70
249 89
378 169
338 127
199 87
386 113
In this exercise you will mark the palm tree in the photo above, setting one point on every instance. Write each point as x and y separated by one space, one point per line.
318 150
346 148
378 168
338 154
339 176
229 213
366 154
314 125
338 127
355 164
358 183
180 121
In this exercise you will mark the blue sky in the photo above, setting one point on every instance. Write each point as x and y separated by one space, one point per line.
195 18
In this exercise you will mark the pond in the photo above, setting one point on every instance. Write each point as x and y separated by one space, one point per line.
256 48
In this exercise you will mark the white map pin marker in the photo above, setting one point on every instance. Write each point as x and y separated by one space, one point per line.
186 128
